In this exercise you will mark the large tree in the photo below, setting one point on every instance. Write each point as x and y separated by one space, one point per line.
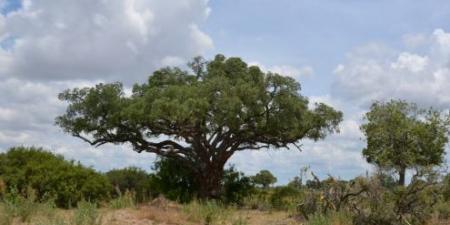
401 136
199 119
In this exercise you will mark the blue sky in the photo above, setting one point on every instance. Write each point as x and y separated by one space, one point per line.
346 53
317 32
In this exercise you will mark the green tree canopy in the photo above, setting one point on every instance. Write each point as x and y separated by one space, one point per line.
400 136
264 178
200 119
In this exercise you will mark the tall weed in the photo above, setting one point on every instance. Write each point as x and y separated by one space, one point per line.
87 214
208 213
126 200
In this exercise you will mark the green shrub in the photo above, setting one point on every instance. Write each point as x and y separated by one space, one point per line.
236 187
285 197
132 179
176 182
51 176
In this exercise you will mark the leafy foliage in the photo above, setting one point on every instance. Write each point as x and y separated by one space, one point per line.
236 187
264 178
51 176
401 136
203 118
177 182
174 180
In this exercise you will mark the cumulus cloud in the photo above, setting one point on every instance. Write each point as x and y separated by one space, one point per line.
114 40
286 70
48 46
383 73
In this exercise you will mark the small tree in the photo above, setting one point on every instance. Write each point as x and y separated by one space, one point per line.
400 136
264 178
199 119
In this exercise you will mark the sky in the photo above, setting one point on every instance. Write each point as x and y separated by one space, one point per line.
346 53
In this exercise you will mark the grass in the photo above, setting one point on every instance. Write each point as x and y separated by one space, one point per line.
208 213
334 218
127 200
194 213
87 214
28 211
24 208
5 217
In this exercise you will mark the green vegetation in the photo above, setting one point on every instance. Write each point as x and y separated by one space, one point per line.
131 179
264 178
177 182
401 136
51 177
199 118
226 106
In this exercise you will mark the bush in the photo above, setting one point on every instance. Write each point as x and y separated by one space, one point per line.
51 176
173 180
131 179
236 187
177 183
286 197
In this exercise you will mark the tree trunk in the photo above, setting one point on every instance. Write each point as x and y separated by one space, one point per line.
401 173
210 182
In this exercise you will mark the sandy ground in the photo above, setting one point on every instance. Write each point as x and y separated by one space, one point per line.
173 215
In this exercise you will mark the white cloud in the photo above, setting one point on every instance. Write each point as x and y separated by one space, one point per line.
383 73
415 40
114 40
410 62
48 46
286 70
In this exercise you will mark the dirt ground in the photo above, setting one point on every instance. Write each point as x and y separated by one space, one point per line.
173 215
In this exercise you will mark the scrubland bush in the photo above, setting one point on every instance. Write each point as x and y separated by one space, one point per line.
51 176
131 179
236 187
368 201
177 183
285 197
